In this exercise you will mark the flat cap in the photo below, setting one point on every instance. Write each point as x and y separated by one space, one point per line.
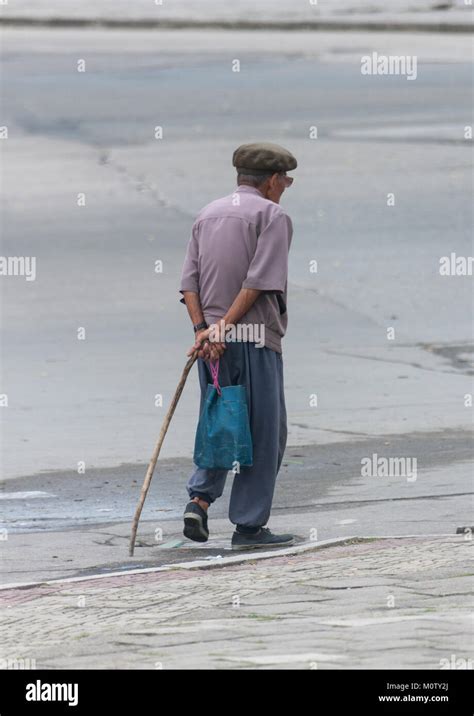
262 157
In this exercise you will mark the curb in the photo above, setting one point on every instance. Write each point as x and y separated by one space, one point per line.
319 25
224 561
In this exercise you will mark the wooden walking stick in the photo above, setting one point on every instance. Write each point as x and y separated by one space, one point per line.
156 451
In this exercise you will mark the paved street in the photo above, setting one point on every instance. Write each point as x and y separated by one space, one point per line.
395 603
378 578
93 400
411 13
70 526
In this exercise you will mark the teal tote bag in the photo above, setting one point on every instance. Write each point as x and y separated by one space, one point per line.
223 438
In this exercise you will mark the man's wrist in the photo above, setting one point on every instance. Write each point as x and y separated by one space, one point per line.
200 326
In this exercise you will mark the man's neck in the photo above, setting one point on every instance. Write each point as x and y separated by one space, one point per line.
252 187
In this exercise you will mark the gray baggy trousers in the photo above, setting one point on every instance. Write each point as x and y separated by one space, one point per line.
261 371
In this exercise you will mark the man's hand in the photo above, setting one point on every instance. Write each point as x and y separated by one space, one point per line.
206 346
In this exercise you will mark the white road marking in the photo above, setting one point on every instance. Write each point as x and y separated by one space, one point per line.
25 495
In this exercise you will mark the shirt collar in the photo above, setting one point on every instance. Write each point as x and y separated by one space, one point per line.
250 189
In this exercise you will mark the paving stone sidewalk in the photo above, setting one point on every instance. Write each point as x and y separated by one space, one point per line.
383 603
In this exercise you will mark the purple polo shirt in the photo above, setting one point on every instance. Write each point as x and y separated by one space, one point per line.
241 241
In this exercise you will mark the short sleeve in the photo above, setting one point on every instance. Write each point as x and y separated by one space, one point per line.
190 271
268 270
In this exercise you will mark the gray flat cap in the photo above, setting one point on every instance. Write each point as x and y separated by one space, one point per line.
262 157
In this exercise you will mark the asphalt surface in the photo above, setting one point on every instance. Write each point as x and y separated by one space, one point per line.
378 268
93 400
71 525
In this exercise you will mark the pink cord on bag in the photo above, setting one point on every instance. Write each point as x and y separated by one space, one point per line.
215 373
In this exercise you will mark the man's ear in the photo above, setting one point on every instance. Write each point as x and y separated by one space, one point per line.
269 185
274 180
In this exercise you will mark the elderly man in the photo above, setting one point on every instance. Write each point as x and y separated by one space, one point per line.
235 274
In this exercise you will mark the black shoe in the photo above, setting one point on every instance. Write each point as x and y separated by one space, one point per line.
263 538
195 522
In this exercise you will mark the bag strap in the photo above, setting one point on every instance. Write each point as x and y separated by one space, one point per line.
215 372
